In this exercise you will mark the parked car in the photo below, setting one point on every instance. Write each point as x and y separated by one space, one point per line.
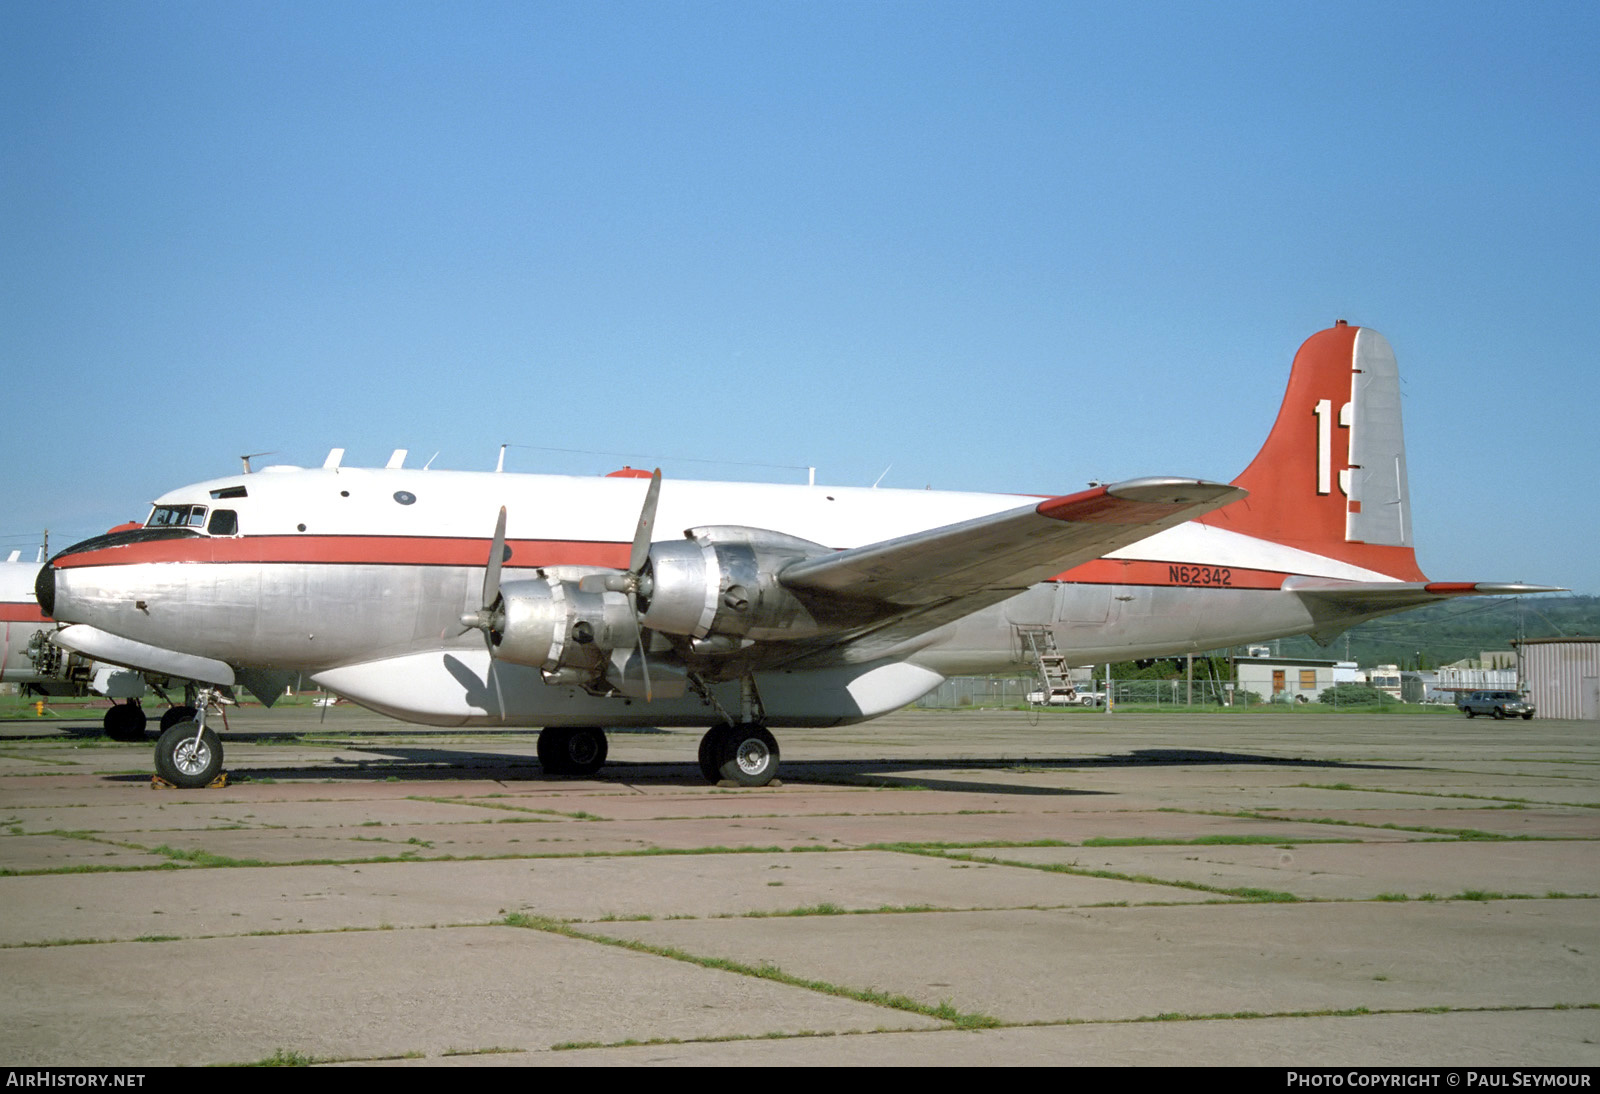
1499 704
1068 697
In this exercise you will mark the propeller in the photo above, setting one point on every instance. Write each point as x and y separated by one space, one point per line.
633 581
489 615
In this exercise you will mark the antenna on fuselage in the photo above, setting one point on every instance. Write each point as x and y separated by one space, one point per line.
246 459
397 460
500 464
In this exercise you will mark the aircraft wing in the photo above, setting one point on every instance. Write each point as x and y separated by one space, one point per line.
925 579
1008 551
1346 603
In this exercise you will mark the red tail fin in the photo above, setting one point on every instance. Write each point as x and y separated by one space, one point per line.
1331 477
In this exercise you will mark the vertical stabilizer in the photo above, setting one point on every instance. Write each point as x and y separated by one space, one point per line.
1331 477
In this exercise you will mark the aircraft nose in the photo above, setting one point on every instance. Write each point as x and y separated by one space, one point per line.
44 589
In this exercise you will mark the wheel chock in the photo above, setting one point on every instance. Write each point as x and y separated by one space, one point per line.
158 783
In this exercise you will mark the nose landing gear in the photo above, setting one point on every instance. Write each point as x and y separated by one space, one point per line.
188 754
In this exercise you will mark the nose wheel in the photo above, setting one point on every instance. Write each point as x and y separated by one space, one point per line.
188 754
745 754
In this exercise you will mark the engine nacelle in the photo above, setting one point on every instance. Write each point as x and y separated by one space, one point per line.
553 625
721 585
57 664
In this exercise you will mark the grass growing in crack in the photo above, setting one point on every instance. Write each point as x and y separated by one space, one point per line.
1202 841
284 1057
1260 896
945 1011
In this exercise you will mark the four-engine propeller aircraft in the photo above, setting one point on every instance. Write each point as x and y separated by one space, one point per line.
777 606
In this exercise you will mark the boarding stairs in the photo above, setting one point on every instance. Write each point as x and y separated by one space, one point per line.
1039 644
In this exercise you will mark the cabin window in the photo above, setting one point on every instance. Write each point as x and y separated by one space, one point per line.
177 516
229 492
224 522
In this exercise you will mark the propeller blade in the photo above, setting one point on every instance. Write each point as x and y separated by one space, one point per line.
644 661
497 555
646 529
499 699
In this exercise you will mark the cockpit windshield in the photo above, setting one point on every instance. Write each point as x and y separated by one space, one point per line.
177 516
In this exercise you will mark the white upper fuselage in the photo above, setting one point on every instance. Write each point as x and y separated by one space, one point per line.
594 517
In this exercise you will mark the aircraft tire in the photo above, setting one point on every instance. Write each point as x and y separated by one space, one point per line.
708 753
747 755
125 722
586 750
550 746
572 751
173 715
184 762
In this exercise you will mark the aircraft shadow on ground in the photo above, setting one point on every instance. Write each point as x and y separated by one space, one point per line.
405 764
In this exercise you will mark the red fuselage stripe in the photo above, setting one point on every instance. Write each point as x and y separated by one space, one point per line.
1186 575
438 551
368 550
17 612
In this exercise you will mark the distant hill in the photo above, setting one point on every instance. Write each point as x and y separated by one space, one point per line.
1453 629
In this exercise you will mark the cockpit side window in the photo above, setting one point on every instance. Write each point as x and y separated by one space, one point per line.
224 522
177 516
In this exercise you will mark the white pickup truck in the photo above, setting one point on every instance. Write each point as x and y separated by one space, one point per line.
1067 697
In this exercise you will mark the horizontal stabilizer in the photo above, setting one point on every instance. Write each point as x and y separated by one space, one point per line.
1346 603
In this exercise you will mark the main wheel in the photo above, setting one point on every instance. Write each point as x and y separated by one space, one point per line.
173 715
572 751
185 761
746 754
125 722
708 753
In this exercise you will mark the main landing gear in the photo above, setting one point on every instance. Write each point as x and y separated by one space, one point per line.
745 754
741 750
188 754
577 750
125 721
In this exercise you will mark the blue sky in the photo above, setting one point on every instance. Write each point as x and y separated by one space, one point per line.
993 246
